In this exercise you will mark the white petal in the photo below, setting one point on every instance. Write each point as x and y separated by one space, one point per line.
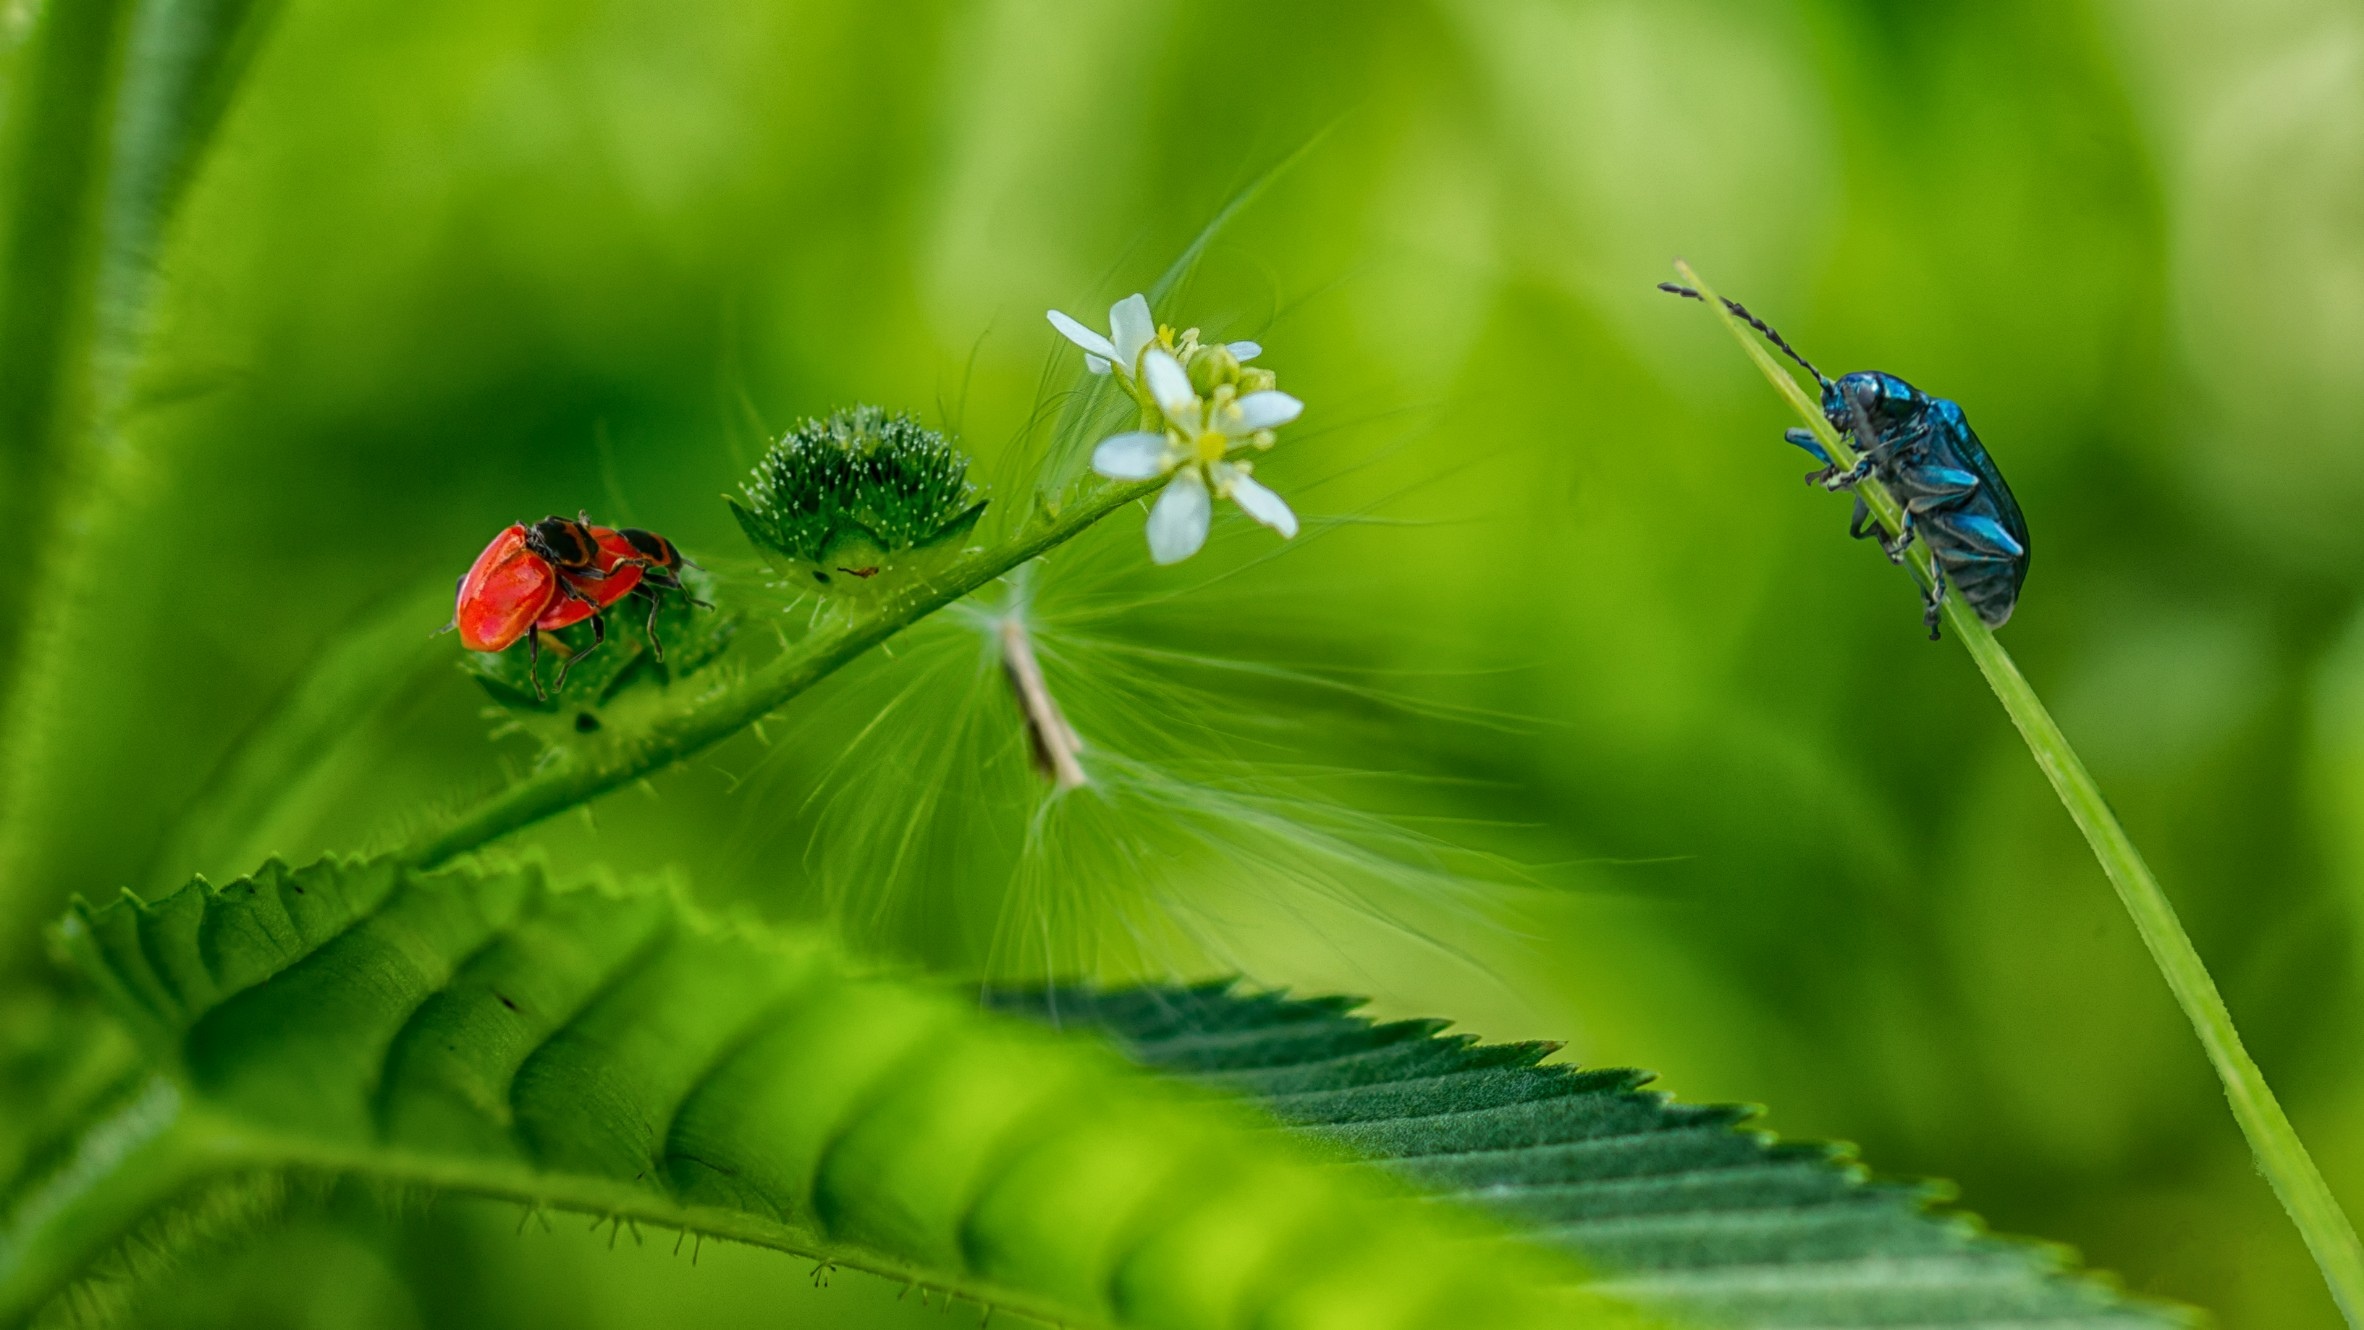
1169 383
1265 410
1243 352
1139 455
1263 505
1178 524
1096 365
1131 327
1083 337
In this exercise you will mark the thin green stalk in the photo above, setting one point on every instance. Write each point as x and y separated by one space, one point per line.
2280 1155
573 776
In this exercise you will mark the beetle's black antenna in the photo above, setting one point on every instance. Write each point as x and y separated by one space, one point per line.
1740 311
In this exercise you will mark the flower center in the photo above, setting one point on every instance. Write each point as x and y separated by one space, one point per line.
1209 446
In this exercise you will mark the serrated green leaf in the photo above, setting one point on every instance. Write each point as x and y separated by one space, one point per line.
615 1052
1681 1207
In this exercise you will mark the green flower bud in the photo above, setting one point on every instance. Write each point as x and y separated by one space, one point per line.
1256 380
1212 367
843 494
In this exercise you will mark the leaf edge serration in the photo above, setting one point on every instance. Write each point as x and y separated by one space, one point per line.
967 1147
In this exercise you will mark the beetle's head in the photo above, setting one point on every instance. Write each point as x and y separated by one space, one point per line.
1879 399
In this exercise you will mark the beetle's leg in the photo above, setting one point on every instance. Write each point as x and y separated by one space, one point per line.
1885 450
573 592
1856 527
533 662
598 640
1863 526
1867 442
1852 477
656 602
1932 607
598 575
661 578
1895 549
1804 438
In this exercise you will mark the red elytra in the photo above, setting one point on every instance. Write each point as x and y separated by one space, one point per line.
506 589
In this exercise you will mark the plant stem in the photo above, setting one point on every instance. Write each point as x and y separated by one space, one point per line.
2281 1156
575 775
2284 1160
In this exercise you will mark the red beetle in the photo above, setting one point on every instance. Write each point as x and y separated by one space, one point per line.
557 572
614 572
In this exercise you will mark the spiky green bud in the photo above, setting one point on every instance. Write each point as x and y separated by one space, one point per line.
844 493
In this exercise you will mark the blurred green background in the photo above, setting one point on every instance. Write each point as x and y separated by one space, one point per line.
457 264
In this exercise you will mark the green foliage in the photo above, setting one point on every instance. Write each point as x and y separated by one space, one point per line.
1680 1208
840 496
457 263
615 1052
56 156
57 1058
109 108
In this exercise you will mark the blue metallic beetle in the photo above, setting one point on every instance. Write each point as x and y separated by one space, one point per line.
1923 449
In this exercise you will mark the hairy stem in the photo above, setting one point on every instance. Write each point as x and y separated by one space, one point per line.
122 1167
2281 1156
573 776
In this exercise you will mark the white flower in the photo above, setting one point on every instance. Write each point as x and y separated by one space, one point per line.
1131 329
1195 448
